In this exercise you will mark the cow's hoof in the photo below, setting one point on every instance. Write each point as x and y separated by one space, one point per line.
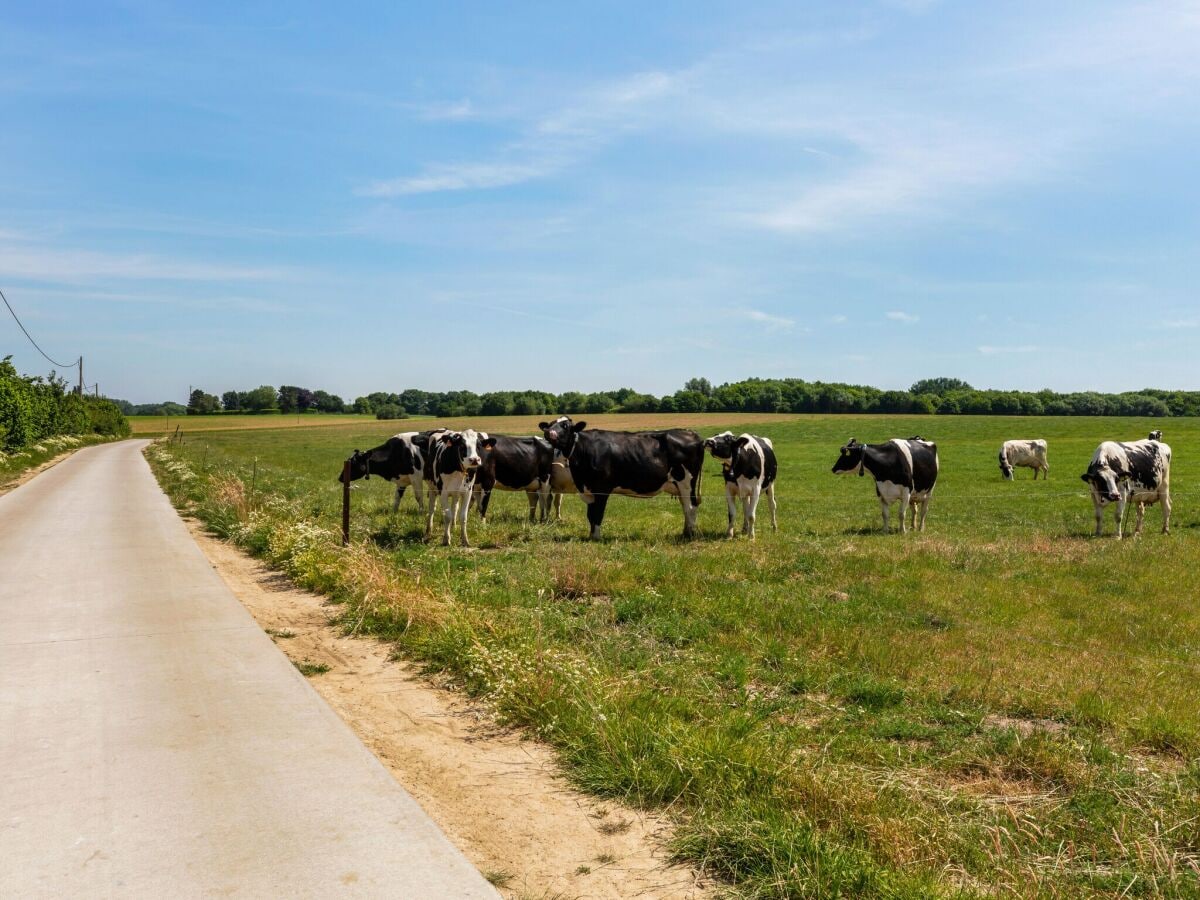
729 535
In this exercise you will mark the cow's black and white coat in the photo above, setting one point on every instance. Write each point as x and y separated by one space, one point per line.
455 464
516 464
400 459
749 467
1028 454
1137 472
634 463
905 472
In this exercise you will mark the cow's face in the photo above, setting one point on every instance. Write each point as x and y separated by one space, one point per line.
722 446
1104 480
1156 435
561 433
850 460
466 446
1005 469
360 466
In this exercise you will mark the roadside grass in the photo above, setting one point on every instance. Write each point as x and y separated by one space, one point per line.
1001 705
308 668
13 465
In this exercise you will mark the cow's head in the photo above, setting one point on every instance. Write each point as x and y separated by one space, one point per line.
722 446
1156 435
465 447
1105 481
360 466
850 460
561 433
1005 469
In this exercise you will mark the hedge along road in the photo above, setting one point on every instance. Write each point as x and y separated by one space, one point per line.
152 737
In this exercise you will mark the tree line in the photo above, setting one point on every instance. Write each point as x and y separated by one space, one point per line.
930 396
33 407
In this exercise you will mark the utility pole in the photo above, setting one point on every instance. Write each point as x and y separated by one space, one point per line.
81 378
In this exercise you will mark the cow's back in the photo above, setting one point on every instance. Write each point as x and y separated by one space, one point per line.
925 465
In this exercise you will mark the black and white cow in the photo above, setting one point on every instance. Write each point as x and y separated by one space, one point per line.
456 462
1138 472
1028 454
1156 435
905 471
516 464
400 459
749 467
561 482
633 463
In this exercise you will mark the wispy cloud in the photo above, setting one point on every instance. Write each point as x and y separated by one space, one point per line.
906 318
1181 323
551 143
993 350
771 322
70 265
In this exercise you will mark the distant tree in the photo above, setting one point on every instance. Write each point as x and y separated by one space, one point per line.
328 403
261 399
699 385
363 405
288 399
305 399
202 404
231 401
939 386
391 411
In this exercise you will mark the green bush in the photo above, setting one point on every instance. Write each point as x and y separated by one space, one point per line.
33 408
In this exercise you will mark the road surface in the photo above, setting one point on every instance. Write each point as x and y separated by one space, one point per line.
153 740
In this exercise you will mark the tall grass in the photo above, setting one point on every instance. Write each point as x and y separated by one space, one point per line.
1002 705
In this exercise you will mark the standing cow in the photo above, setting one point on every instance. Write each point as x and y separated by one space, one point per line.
400 459
634 463
516 464
561 482
749 467
455 464
1139 471
1027 454
905 471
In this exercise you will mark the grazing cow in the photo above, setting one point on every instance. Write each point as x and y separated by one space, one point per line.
400 459
1156 435
1028 454
749 467
1139 471
561 482
456 461
905 471
634 463
516 464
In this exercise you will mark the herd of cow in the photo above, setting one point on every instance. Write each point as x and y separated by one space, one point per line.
458 468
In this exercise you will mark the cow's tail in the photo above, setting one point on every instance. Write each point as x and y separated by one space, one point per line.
696 483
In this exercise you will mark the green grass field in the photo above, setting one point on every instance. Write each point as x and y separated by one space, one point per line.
1002 705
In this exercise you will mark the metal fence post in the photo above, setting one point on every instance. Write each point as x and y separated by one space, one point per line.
346 503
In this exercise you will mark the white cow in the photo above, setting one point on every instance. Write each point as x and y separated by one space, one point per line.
1029 454
1139 471
456 461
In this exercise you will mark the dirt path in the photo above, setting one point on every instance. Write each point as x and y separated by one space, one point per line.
498 797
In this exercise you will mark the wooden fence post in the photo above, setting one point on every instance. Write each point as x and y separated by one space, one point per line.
346 503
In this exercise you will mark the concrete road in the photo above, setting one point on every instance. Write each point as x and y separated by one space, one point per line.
153 740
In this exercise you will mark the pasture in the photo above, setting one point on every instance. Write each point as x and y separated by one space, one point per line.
1002 705
153 426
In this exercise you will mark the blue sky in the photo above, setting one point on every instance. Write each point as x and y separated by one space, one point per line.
541 195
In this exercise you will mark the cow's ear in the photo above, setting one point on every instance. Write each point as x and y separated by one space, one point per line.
1085 477
447 439
543 425
743 441
488 442
579 426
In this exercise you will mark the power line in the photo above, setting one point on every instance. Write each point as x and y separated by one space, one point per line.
30 336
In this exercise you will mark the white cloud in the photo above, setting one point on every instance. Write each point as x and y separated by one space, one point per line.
837 320
456 111
907 318
468 176
54 265
771 322
992 350
1182 323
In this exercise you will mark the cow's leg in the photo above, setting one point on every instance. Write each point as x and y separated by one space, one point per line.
731 503
1121 516
399 496
1141 514
595 514
544 499
771 500
558 495
1035 472
485 500
1099 510
887 525
418 487
905 498
449 503
431 508
924 511
534 499
752 506
463 512
1166 503
689 512
912 514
